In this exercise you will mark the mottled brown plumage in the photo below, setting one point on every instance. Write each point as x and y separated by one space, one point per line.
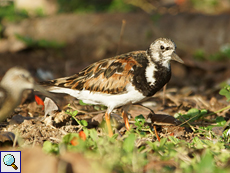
104 76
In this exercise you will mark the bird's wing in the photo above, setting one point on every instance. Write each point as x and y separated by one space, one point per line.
109 76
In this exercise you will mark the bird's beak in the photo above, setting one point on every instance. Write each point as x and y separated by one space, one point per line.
175 57
42 90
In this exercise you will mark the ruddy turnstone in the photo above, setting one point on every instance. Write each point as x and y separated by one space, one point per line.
12 85
121 80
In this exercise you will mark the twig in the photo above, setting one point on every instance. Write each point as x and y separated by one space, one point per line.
145 107
85 112
35 139
55 139
121 35
201 100
173 99
164 94
62 131
15 140
226 124
76 120
220 110
187 122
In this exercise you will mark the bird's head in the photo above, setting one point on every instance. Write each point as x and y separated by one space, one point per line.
19 78
163 50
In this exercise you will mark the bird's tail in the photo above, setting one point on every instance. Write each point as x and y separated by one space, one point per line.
61 85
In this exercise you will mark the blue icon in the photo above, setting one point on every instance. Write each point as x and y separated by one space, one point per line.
9 160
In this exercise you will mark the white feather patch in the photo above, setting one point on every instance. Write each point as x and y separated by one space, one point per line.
166 62
110 100
149 73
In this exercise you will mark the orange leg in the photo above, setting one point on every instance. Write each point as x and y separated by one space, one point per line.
155 129
125 117
107 119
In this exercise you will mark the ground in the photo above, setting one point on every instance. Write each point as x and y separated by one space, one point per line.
31 128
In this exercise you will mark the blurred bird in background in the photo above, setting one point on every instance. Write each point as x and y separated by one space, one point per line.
13 84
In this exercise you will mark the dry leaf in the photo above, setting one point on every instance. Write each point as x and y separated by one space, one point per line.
50 106
175 131
163 119
98 118
48 121
18 119
61 117
6 137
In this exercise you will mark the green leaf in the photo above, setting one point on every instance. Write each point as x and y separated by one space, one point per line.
74 113
140 118
177 115
93 134
119 6
97 108
82 103
207 162
163 141
220 121
193 112
139 122
49 147
225 92
203 111
39 43
67 138
84 123
86 131
198 143
174 140
129 143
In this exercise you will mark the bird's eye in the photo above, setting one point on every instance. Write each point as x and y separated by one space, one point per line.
23 76
162 47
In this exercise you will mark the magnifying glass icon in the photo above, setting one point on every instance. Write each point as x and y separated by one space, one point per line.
9 160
